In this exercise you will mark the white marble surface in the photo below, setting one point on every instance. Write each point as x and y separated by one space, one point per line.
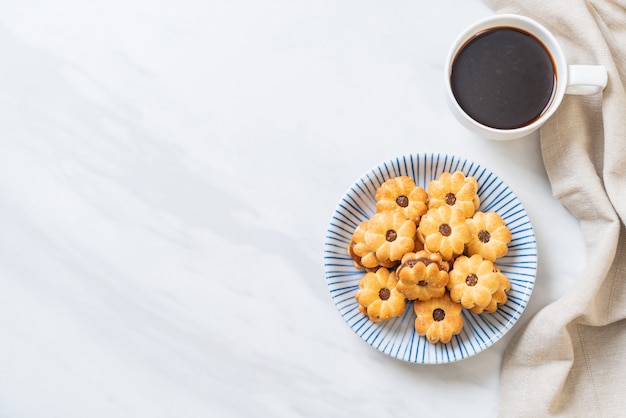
167 173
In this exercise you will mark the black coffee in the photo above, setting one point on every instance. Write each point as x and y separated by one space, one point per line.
503 78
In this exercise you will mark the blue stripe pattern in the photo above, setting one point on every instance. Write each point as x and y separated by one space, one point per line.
397 337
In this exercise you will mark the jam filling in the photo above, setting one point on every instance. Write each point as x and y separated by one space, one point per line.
422 283
445 230
391 235
402 201
484 237
411 263
439 314
425 261
471 280
450 199
384 293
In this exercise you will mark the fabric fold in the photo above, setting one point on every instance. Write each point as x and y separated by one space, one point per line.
570 358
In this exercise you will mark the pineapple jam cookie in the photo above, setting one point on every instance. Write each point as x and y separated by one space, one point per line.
454 190
422 275
443 230
378 297
361 256
498 298
402 195
390 235
473 281
438 318
490 236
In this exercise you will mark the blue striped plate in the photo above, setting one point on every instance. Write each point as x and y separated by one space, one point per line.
397 337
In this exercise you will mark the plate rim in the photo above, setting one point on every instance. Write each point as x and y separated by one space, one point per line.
382 171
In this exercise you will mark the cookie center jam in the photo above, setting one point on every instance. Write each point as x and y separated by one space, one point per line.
413 262
422 283
425 261
484 237
471 280
439 314
384 293
391 235
450 199
402 201
445 230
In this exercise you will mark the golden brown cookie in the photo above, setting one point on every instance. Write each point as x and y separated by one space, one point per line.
498 298
473 281
456 191
438 318
361 255
490 236
422 275
402 195
443 230
390 235
378 297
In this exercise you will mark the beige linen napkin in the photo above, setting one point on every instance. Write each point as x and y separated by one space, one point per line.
570 358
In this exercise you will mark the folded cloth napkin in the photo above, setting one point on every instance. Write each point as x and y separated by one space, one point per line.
570 358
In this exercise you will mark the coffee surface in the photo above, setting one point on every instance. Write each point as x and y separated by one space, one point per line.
503 78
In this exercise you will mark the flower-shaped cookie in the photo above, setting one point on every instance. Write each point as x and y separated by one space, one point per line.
401 194
490 236
498 298
361 255
454 190
390 235
378 297
422 275
438 318
443 230
473 281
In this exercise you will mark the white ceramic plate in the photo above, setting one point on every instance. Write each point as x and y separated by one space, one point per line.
397 337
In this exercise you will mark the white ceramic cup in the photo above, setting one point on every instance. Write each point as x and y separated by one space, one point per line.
570 79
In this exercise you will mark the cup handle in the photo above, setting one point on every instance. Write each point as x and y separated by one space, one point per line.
586 79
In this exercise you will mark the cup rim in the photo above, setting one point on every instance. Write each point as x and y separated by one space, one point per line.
543 35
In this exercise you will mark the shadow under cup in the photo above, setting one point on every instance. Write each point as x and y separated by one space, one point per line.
505 76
